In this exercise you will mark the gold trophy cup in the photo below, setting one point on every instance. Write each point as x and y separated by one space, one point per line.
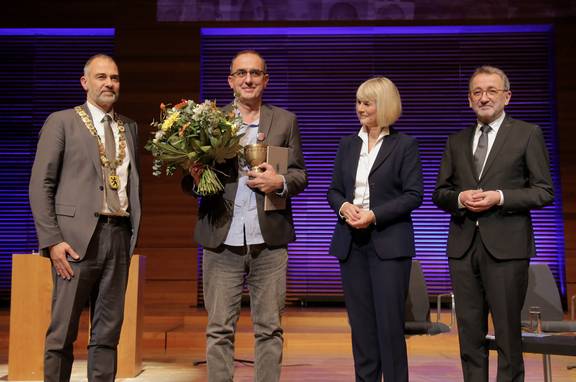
255 155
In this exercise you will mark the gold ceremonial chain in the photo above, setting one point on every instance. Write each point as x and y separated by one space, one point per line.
113 179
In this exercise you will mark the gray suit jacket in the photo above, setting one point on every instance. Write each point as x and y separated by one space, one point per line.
517 165
66 185
280 128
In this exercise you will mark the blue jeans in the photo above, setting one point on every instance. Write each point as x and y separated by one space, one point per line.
224 271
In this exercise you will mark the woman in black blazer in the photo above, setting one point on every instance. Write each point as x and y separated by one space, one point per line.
376 183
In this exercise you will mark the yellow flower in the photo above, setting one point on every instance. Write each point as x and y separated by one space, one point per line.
168 122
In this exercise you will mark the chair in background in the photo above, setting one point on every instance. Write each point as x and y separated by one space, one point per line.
543 293
543 296
417 315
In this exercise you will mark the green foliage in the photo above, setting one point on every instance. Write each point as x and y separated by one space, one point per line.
190 133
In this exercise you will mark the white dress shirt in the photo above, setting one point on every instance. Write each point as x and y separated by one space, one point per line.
122 170
495 126
365 163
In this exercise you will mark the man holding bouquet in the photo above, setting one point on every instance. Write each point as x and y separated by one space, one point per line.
242 241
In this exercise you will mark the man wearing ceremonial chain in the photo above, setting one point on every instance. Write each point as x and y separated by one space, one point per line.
85 198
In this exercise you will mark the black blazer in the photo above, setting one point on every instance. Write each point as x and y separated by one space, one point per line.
517 165
395 183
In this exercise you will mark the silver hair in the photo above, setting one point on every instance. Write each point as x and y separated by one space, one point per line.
487 69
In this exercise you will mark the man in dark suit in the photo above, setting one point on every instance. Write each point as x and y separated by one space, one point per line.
84 194
492 174
243 241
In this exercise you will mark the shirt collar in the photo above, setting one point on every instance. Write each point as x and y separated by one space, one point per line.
97 113
363 134
495 125
255 123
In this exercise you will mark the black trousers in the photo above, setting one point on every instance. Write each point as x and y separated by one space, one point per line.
375 292
99 278
485 284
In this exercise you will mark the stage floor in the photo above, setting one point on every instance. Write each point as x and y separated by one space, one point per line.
317 348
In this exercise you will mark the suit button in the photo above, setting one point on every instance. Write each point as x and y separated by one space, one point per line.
101 188
96 215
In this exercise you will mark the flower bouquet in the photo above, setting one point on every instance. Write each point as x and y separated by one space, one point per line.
195 134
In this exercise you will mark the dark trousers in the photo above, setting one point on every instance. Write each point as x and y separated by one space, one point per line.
485 284
99 278
375 292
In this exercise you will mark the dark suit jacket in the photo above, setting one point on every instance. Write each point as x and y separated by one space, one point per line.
518 166
66 184
395 183
280 128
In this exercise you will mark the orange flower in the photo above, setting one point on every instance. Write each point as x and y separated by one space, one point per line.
181 104
162 106
182 130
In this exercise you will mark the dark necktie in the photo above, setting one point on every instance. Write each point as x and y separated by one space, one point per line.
112 198
481 150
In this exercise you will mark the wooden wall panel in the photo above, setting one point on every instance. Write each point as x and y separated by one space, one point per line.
566 97
160 62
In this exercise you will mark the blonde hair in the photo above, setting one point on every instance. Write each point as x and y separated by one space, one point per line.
387 97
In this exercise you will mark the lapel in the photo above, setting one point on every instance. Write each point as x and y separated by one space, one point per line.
90 141
388 144
234 185
265 121
353 159
503 132
469 150
131 146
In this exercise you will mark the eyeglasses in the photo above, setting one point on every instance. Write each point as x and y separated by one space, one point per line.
491 93
254 73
